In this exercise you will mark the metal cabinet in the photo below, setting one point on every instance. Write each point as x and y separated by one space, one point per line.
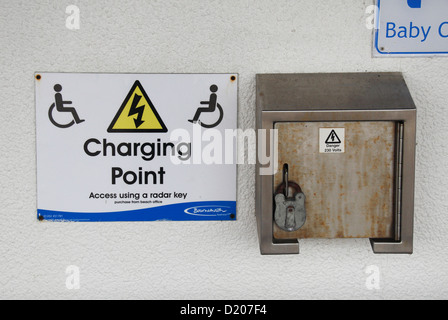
348 141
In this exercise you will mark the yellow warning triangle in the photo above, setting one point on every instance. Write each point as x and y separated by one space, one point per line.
137 114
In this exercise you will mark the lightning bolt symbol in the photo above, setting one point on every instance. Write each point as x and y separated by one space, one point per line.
137 110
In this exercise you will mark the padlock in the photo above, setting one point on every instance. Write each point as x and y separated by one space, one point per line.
290 213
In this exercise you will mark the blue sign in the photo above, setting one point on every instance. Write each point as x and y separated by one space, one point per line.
411 27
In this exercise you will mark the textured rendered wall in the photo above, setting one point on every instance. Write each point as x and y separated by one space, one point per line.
191 260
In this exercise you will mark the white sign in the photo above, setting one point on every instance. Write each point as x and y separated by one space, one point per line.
135 147
331 140
411 27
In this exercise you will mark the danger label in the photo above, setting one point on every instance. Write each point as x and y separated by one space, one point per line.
137 114
331 140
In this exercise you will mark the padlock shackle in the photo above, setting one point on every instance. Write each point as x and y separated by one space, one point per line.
286 179
282 188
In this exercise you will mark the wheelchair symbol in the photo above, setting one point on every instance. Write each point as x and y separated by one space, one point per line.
212 106
59 104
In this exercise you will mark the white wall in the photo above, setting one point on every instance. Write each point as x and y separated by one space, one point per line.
216 260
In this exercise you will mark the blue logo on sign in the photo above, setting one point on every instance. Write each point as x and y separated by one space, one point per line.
415 3
207 211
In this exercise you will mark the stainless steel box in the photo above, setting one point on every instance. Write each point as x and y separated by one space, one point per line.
365 189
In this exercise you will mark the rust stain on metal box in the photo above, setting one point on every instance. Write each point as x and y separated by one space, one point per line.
348 195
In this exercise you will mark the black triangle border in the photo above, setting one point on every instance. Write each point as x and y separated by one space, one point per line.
136 130
339 139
